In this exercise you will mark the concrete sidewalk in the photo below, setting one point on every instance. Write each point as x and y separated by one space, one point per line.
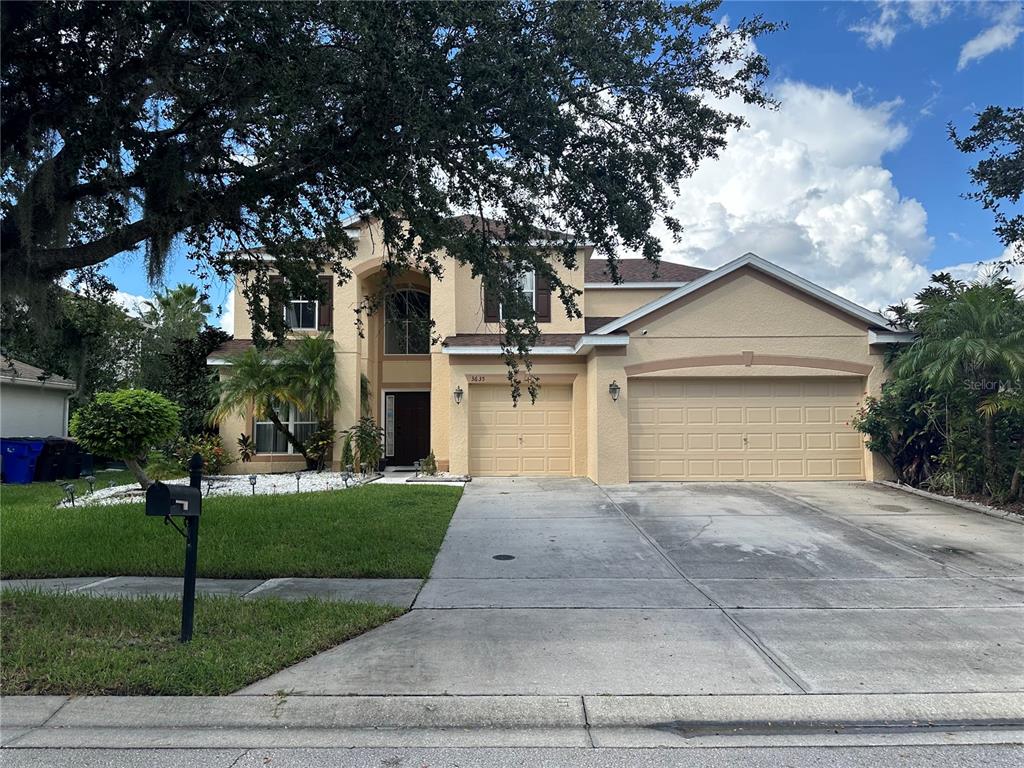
582 722
400 592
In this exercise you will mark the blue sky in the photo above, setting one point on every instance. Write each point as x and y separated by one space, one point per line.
852 182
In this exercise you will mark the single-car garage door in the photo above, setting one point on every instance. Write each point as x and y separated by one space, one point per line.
744 429
529 439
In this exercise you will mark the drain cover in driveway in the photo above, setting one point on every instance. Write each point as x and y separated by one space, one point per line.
503 557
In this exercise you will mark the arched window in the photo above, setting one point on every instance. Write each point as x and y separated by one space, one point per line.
407 323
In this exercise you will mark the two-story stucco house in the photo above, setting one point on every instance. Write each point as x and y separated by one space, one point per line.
744 372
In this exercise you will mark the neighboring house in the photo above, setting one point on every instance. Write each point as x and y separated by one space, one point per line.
745 372
32 403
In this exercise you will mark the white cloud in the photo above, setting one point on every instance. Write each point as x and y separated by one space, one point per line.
805 187
227 313
1002 34
880 31
974 270
131 303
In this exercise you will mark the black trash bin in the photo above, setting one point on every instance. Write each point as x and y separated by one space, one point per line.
71 468
50 464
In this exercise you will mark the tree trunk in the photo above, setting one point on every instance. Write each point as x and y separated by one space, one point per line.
990 452
292 440
139 472
1015 481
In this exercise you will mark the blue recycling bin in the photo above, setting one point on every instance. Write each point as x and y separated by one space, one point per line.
19 459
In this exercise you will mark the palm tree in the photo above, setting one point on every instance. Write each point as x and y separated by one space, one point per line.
303 376
179 312
970 335
310 377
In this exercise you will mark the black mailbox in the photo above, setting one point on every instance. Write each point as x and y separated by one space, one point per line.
186 502
173 501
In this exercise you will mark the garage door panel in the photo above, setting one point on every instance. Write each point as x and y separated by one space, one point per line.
847 441
727 442
759 415
760 441
789 441
757 429
700 441
670 442
700 416
817 441
525 439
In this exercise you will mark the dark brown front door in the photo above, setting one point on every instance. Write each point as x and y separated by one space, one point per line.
412 427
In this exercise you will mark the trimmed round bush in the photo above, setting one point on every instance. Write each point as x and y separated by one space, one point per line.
126 425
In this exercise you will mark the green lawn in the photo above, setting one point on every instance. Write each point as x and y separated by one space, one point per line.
77 644
386 531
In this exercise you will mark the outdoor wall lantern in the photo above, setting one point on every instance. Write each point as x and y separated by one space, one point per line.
613 390
458 395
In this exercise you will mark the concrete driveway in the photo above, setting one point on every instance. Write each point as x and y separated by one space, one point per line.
561 587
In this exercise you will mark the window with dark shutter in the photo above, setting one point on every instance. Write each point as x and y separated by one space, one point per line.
492 308
325 320
543 301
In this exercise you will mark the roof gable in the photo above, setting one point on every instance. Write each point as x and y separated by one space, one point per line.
753 261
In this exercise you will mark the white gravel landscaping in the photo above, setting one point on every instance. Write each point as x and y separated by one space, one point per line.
233 485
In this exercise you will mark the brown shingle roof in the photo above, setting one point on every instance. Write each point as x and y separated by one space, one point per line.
591 324
495 340
472 223
16 372
235 346
641 271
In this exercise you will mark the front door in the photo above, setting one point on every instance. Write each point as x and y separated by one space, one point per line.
410 439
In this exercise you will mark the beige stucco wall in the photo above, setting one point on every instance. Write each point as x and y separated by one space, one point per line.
469 302
615 302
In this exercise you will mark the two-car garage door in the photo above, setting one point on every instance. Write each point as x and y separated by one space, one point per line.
745 429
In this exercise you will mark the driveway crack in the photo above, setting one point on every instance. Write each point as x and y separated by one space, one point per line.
787 675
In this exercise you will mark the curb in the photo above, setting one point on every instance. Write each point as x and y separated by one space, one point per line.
1000 514
281 720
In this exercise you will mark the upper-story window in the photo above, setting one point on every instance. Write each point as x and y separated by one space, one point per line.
528 287
536 297
407 323
301 314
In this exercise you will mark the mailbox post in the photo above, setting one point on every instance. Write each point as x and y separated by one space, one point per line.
186 502
188 601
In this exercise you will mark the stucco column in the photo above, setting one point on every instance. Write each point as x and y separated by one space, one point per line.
442 312
458 423
608 420
346 357
875 466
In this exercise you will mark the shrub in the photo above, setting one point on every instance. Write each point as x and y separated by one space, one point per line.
210 447
163 466
126 425
368 441
347 457
318 445
429 465
246 447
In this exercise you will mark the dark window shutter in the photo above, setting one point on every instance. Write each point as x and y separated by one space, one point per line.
276 307
543 308
490 307
325 320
